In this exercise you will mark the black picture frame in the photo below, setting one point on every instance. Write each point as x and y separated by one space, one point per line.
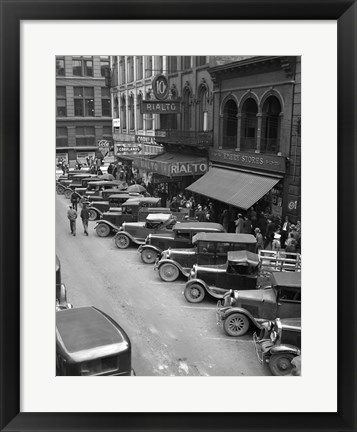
12 12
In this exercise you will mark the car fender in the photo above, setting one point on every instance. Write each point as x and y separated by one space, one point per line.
132 239
181 269
289 349
199 282
148 246
95 209
111 226
242 311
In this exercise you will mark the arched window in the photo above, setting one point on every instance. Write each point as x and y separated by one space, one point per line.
203 109
148 66
270 126
139 67
131 113
123 112
248 140
159 65
130 62
139 116
116 106
230 122
186 121
122 78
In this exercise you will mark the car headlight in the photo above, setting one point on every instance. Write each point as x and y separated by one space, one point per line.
148 239
192 274
273 336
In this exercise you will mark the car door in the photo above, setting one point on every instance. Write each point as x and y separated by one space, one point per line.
289 302
206 253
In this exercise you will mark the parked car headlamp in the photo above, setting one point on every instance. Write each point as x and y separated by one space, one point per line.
192 274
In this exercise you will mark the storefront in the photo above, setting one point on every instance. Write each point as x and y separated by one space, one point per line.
244 180
172 171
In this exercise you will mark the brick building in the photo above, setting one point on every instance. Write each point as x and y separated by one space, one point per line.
83 106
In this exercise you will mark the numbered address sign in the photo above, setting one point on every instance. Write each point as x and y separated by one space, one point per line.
160 87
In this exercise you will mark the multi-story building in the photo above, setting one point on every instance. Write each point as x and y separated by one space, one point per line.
83 106
256 156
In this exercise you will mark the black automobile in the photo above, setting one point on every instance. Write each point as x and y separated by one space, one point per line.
241 271
97 207
209 248
278 343
91 343
181 237
239 309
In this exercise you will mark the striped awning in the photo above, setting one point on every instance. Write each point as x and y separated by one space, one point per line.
237 188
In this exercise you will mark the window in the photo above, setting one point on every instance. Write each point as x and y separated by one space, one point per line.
186 110
172 64
230 122
148 117
106 112
139 116
83 101
249 125
60 67
122 78
116 107
139 67
104 64
270 126
130 63
131 113
85 136
201 60
159 65
82 66
148 66
186 62
61 137
203 109
61 104
123 112
289 294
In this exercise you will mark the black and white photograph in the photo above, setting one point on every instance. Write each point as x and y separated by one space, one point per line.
178 215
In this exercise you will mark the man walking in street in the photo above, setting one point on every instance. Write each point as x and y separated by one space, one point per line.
72 216
75 197
85 218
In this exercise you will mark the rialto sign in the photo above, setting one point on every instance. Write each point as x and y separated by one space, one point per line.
161 103
172 169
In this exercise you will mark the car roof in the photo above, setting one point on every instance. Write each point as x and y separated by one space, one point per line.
84 175
104 182
198 226
158 217
140 199
225 237
288 279
243 257
81 330
120 194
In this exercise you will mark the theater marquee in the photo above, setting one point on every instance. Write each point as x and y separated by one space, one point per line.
158 107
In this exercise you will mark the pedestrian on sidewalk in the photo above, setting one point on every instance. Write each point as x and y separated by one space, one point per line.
85 218
72 216
75 197
239 222
260 240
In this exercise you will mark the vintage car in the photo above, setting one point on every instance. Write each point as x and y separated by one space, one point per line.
136 232
278 343
210 248
90 343
241 271
133 210
64 181
94 188
239 309
61 292
97 208
181 237
79 181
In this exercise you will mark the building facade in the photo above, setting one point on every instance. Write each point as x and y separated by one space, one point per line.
256 155
83 107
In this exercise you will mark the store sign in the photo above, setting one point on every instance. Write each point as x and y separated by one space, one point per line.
127 148
249 160
116 123
172 169
144 139
157 107
160 87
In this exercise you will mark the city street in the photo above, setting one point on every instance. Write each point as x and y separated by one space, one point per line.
169 336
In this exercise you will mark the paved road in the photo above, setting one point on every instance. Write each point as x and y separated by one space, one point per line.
169 336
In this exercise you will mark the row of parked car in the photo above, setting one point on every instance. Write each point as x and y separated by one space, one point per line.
251 290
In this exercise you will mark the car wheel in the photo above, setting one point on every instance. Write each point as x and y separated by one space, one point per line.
280 364
236 325
148 256
93 215
122 241
194 293
60 189
102 230
68 193
168 272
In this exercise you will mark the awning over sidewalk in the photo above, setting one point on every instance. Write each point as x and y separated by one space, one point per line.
237 188
173 164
